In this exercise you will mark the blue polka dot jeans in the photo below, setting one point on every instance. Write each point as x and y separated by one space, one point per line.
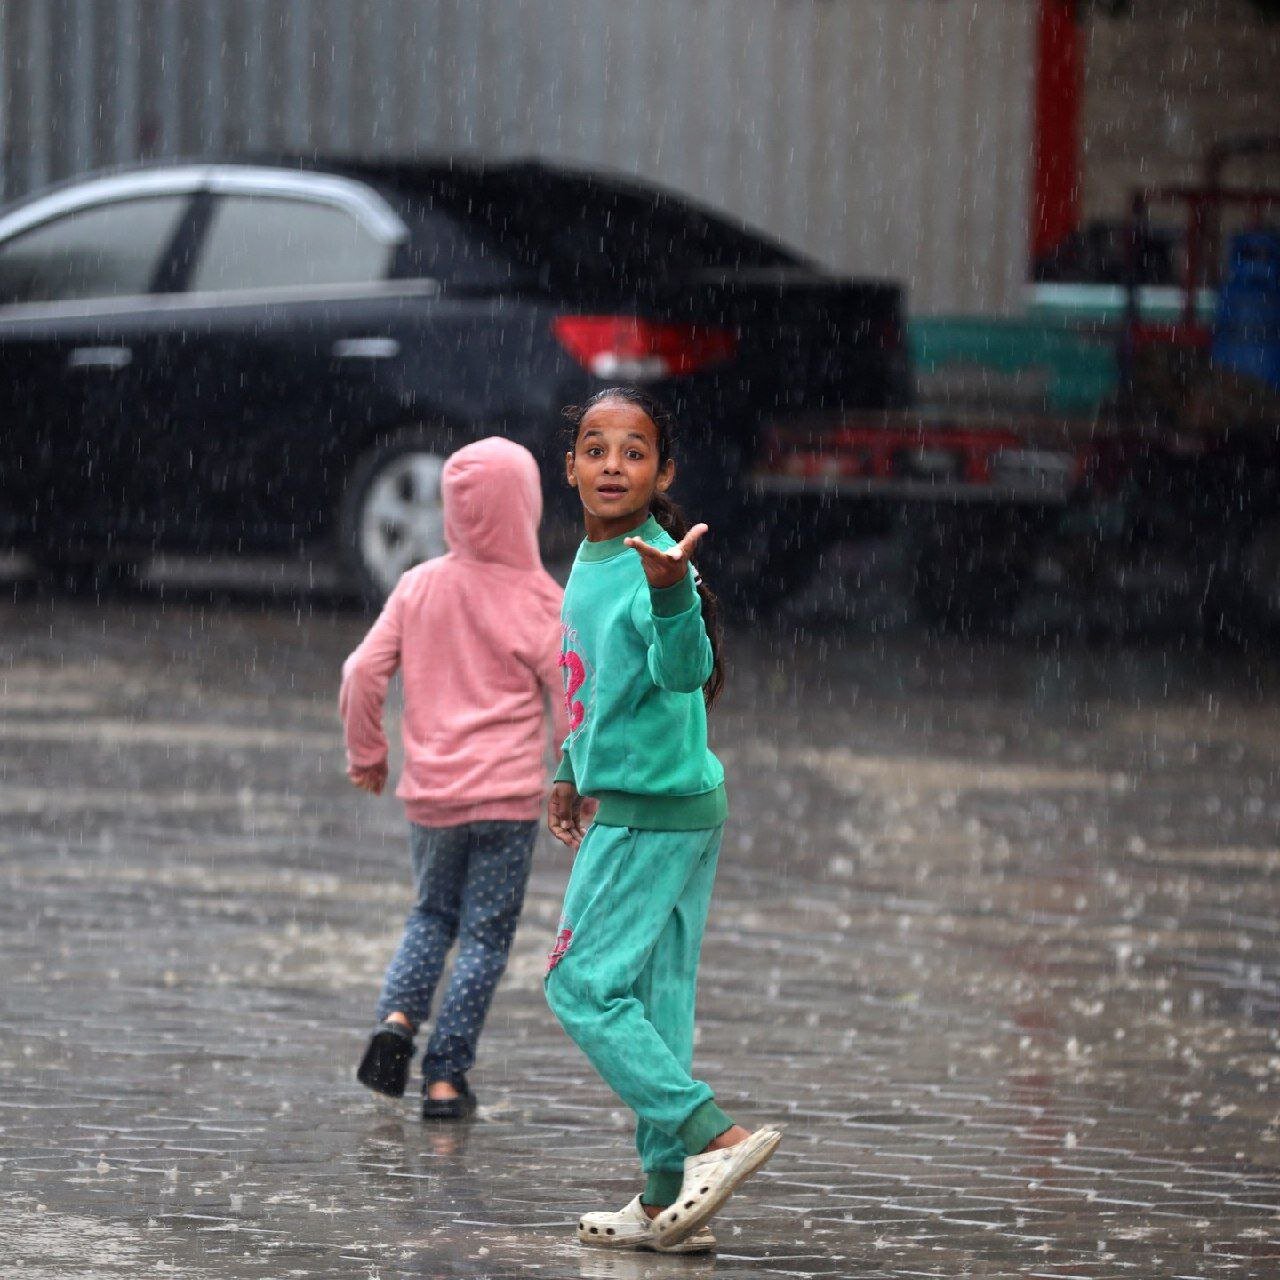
470 889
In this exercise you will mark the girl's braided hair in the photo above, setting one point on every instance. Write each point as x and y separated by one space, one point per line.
667 513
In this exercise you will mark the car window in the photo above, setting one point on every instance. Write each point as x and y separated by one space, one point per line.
592 230
107 251
265 242
447 248
623 235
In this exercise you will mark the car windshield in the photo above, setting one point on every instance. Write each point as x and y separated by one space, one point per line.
597 232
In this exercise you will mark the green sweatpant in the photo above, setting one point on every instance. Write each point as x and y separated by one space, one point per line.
622 981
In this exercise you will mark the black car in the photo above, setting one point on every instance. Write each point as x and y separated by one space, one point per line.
227 357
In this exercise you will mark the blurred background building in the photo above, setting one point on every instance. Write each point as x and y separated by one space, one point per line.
1165 81
886 137
939 142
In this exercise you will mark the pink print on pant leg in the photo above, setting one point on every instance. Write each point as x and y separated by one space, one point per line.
577 678
563 939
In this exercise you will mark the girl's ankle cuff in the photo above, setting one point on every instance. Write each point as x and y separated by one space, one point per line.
706 1122
661 1188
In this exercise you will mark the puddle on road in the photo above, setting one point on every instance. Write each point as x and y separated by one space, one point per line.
47 1245
1010 973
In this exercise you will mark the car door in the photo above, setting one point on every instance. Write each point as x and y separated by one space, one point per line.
284 323
79 274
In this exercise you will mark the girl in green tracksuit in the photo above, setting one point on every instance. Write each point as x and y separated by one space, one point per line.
641 667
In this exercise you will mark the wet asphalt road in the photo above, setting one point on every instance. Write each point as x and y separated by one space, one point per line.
997 934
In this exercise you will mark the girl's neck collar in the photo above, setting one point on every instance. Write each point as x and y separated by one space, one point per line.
610 547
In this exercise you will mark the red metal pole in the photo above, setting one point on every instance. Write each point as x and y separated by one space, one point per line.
1058 92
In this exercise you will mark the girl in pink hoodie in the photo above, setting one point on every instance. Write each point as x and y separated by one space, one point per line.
476 636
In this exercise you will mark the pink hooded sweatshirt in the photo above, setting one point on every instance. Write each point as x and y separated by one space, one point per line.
476 633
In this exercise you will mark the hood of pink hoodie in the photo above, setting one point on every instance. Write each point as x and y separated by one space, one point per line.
493 503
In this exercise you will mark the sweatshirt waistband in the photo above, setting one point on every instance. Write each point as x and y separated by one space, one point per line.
663 813
438 813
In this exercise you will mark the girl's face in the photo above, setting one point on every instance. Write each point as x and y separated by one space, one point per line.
614 465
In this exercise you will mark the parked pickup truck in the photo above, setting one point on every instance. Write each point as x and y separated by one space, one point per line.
976 496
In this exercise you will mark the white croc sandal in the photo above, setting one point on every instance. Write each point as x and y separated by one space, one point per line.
709 1180
632 1228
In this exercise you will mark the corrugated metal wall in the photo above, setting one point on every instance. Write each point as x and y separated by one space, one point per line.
888 137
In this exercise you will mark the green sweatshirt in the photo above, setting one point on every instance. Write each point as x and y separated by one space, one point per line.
635 662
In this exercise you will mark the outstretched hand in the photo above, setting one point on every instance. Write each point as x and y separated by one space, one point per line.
664 567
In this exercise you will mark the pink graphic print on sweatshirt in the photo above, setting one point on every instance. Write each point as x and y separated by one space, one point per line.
577 679
574 681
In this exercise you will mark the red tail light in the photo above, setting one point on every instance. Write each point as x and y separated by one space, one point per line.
641 350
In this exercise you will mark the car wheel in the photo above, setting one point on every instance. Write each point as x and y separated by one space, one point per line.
85 576
392 516
969 578
771 557
1260 570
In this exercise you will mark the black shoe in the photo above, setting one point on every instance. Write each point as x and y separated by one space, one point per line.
458 1108
385 1065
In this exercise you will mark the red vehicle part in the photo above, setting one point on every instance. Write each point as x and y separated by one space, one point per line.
912 459
641 350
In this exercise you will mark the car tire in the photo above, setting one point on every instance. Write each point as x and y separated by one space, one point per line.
790 562
85 575
391 516
772 553
968 577
1250 602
